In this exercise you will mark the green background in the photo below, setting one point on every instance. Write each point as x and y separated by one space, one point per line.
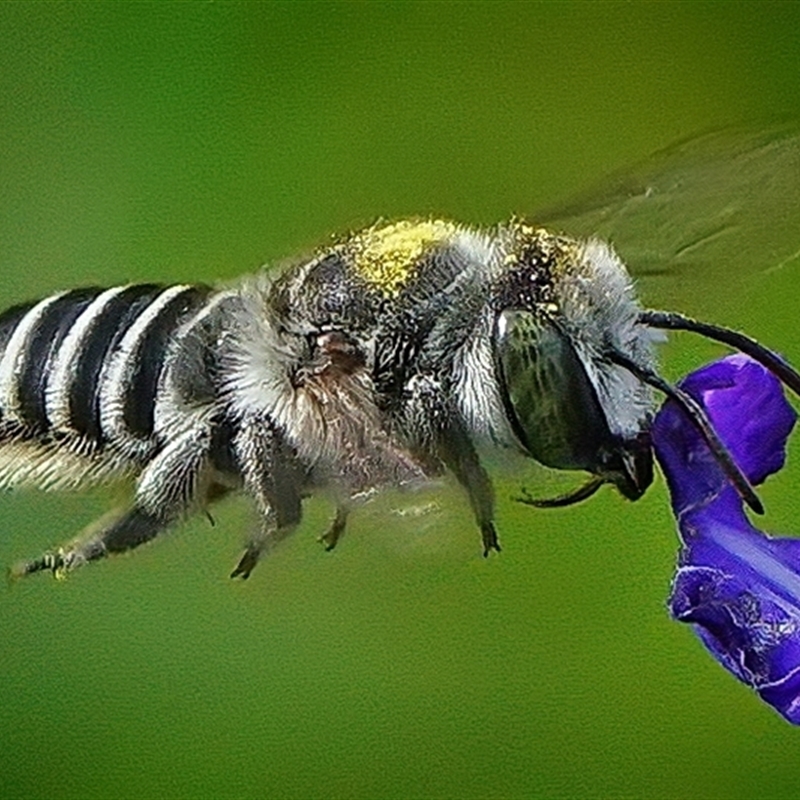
198 141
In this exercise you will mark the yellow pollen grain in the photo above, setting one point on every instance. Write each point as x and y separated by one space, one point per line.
562 254
387 257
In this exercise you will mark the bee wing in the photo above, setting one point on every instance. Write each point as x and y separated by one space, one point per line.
713 212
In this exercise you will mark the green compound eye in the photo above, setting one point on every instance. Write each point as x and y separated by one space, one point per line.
549 400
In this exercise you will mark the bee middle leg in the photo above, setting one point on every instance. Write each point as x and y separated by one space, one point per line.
278 525
273 476
260 543
337 528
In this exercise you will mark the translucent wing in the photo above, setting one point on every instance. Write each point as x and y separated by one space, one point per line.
697 221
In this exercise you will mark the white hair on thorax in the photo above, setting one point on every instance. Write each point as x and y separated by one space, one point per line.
598 306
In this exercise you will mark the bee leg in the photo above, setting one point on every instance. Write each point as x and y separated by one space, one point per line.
331 537
167 487
456 451
251 556
274 478
260 542
117 533
281 521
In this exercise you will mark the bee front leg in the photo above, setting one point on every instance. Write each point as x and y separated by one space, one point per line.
456 451
442 434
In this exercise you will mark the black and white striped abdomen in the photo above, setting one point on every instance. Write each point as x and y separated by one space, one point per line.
82 368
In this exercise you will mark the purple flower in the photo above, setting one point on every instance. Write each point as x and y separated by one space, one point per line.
738 587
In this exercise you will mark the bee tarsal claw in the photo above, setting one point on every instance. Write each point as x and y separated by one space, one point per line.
51 561
246 565
489 537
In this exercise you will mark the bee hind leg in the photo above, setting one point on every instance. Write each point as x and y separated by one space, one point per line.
166 488
113 533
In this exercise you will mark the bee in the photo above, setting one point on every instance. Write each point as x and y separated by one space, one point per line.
387 357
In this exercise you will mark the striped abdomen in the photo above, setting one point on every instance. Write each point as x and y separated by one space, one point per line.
82 368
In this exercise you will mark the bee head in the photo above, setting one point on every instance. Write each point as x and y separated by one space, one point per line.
573 359
561 306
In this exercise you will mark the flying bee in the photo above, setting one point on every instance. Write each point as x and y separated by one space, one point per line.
389 356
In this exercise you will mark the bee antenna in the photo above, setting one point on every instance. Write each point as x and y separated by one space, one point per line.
581 493
700 419
669 320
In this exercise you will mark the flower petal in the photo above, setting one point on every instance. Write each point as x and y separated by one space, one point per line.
746 405
739 588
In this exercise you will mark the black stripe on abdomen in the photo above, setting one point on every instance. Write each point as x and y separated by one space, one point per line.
40 349
106 332
9 320
140 396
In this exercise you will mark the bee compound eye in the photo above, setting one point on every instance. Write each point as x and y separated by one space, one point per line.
550 402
